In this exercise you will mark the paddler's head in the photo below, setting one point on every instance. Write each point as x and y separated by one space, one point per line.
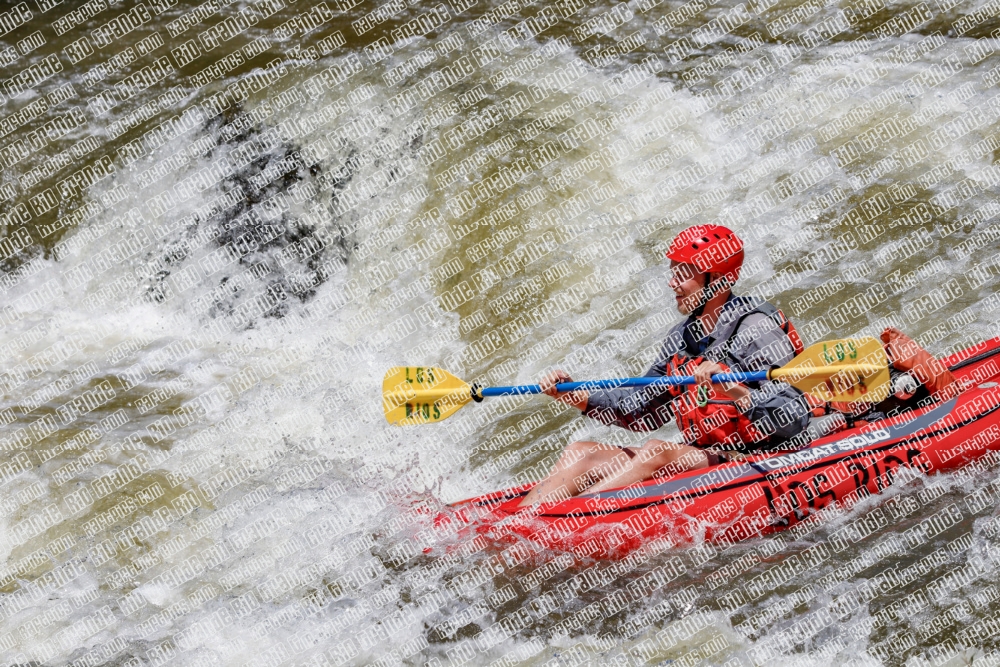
705 262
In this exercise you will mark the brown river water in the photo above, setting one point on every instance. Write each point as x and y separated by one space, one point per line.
223 221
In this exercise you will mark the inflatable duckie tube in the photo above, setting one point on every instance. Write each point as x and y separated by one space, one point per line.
759 494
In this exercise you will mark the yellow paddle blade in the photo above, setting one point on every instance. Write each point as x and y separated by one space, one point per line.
846 370
421 395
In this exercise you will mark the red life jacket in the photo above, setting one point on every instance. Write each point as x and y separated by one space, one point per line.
708 419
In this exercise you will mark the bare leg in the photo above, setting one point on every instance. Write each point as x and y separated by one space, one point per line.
657 458
591 467
581 465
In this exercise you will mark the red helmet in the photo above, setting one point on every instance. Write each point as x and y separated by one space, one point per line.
711 248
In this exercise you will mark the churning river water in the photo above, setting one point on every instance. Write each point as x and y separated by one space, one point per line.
224 221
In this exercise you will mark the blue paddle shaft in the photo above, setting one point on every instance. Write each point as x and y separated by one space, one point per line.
667 380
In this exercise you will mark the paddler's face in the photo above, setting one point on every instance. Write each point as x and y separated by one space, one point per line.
687 282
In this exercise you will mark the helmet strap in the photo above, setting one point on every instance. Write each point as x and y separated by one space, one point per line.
706 296
710 290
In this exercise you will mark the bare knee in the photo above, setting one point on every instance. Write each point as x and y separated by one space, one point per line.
659 450
576 452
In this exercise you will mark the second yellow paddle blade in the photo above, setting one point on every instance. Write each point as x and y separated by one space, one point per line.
421 395
850 369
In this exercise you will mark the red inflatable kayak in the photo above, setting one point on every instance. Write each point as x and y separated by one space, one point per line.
762 493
